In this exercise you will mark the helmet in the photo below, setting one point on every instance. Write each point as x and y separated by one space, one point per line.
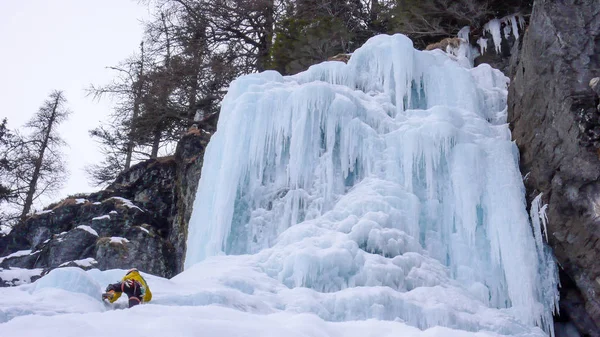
131 270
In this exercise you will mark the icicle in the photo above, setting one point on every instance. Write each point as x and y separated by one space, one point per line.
515 25
493 27
538 220
464 32
548 278
544 218
482 45
511 23
521 21
507 30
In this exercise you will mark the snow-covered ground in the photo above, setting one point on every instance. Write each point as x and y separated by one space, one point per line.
376 198
211 299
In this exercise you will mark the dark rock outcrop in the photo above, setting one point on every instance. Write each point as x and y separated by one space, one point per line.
139 221
554 119
190 157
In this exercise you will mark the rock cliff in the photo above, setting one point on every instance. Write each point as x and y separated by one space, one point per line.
555 122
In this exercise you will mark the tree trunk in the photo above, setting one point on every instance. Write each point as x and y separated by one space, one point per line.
375 26
155 142
266 39
136 108
163 98
196 47
39 160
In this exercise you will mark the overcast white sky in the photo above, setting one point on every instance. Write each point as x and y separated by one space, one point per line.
64 45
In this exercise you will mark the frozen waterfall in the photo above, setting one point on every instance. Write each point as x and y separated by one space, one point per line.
385 188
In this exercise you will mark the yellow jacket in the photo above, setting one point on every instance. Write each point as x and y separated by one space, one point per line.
134 275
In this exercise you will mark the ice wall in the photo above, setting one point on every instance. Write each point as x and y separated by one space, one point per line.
387 187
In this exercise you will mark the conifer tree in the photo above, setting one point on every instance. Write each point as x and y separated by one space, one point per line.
32 163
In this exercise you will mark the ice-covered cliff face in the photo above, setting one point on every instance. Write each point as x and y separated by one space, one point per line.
384 188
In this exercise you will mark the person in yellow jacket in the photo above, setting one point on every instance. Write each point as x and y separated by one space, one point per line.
133 285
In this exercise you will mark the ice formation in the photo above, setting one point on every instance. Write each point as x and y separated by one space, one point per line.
512 24
384 188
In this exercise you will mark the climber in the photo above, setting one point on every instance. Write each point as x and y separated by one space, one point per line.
133 285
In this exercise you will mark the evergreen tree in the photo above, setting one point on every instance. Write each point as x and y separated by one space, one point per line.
31 165
119 136
43 150
311 31
6 141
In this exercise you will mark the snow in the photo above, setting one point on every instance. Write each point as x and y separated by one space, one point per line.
58 236
87 262
5 230
113 212
381 197
126 202
18 276
211 321
102 217
16 254
119 240
144 230
464 54
80 201
88 228
43 212
214 298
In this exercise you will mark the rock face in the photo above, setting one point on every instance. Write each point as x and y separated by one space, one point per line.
555 121
190 157
138 221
